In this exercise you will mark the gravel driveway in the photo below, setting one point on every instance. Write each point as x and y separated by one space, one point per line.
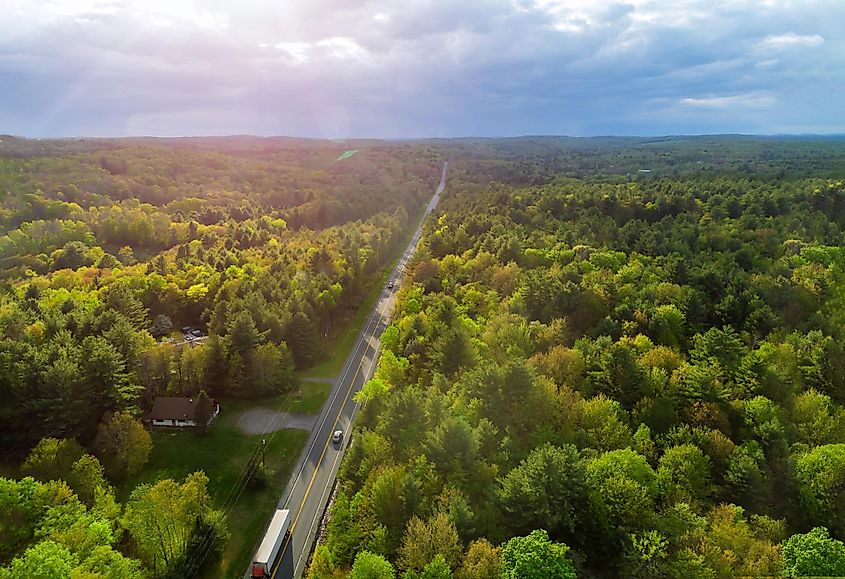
261 420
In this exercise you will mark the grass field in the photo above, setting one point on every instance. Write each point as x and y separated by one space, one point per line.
310 398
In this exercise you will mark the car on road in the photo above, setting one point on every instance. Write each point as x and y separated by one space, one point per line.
337 436
390 285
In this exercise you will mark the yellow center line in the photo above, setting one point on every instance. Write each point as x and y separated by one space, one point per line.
320 460
342 406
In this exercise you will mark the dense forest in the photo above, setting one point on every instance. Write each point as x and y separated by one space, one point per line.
610 357
104 253
607 374
107 249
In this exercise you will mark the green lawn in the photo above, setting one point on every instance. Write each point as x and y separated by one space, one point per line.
222 454
309 398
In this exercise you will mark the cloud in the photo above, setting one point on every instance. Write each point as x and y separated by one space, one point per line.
732 101
790 39
336 68
338 47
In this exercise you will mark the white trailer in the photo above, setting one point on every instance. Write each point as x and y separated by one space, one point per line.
268 551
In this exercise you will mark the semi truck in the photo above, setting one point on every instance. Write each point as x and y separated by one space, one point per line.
267 555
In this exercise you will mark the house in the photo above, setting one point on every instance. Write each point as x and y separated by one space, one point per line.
177 411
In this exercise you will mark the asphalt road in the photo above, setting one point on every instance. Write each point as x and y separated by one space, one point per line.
310 486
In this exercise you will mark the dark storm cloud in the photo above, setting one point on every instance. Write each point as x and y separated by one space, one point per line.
332 68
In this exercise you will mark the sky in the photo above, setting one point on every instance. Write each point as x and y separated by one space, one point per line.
340 69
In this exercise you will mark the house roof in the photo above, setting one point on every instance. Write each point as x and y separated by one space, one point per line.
173 408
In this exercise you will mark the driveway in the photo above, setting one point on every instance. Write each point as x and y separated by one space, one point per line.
261 420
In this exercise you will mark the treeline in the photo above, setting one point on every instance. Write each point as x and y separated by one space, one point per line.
57 210
537 160
639 379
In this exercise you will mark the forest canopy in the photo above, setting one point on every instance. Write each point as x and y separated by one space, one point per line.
610 375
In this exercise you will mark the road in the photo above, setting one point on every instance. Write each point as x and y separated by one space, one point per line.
309 489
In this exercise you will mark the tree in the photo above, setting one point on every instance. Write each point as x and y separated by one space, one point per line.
106 382
453 350
482 560
126 255
437 568
813 554
817 420
163 519
322 564
108 261
105 562
242 333
424 540
270 369
387 498
344 535
20 512
683 473
86 477
536 557
193 372
563 365
547 488
52 459
734 546
161 326
371 566
721 344
46 559
601 424
122 444
744 475
72 256
612 370
667 326
646 554
622 488
205 408
128 342
302 339
119 297
820 475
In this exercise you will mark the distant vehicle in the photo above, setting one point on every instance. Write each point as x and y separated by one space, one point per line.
265 558
191 333
337 436
390 285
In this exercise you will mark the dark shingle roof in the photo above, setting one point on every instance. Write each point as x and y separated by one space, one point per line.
173 408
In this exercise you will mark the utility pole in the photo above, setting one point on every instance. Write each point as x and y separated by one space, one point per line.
263 451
